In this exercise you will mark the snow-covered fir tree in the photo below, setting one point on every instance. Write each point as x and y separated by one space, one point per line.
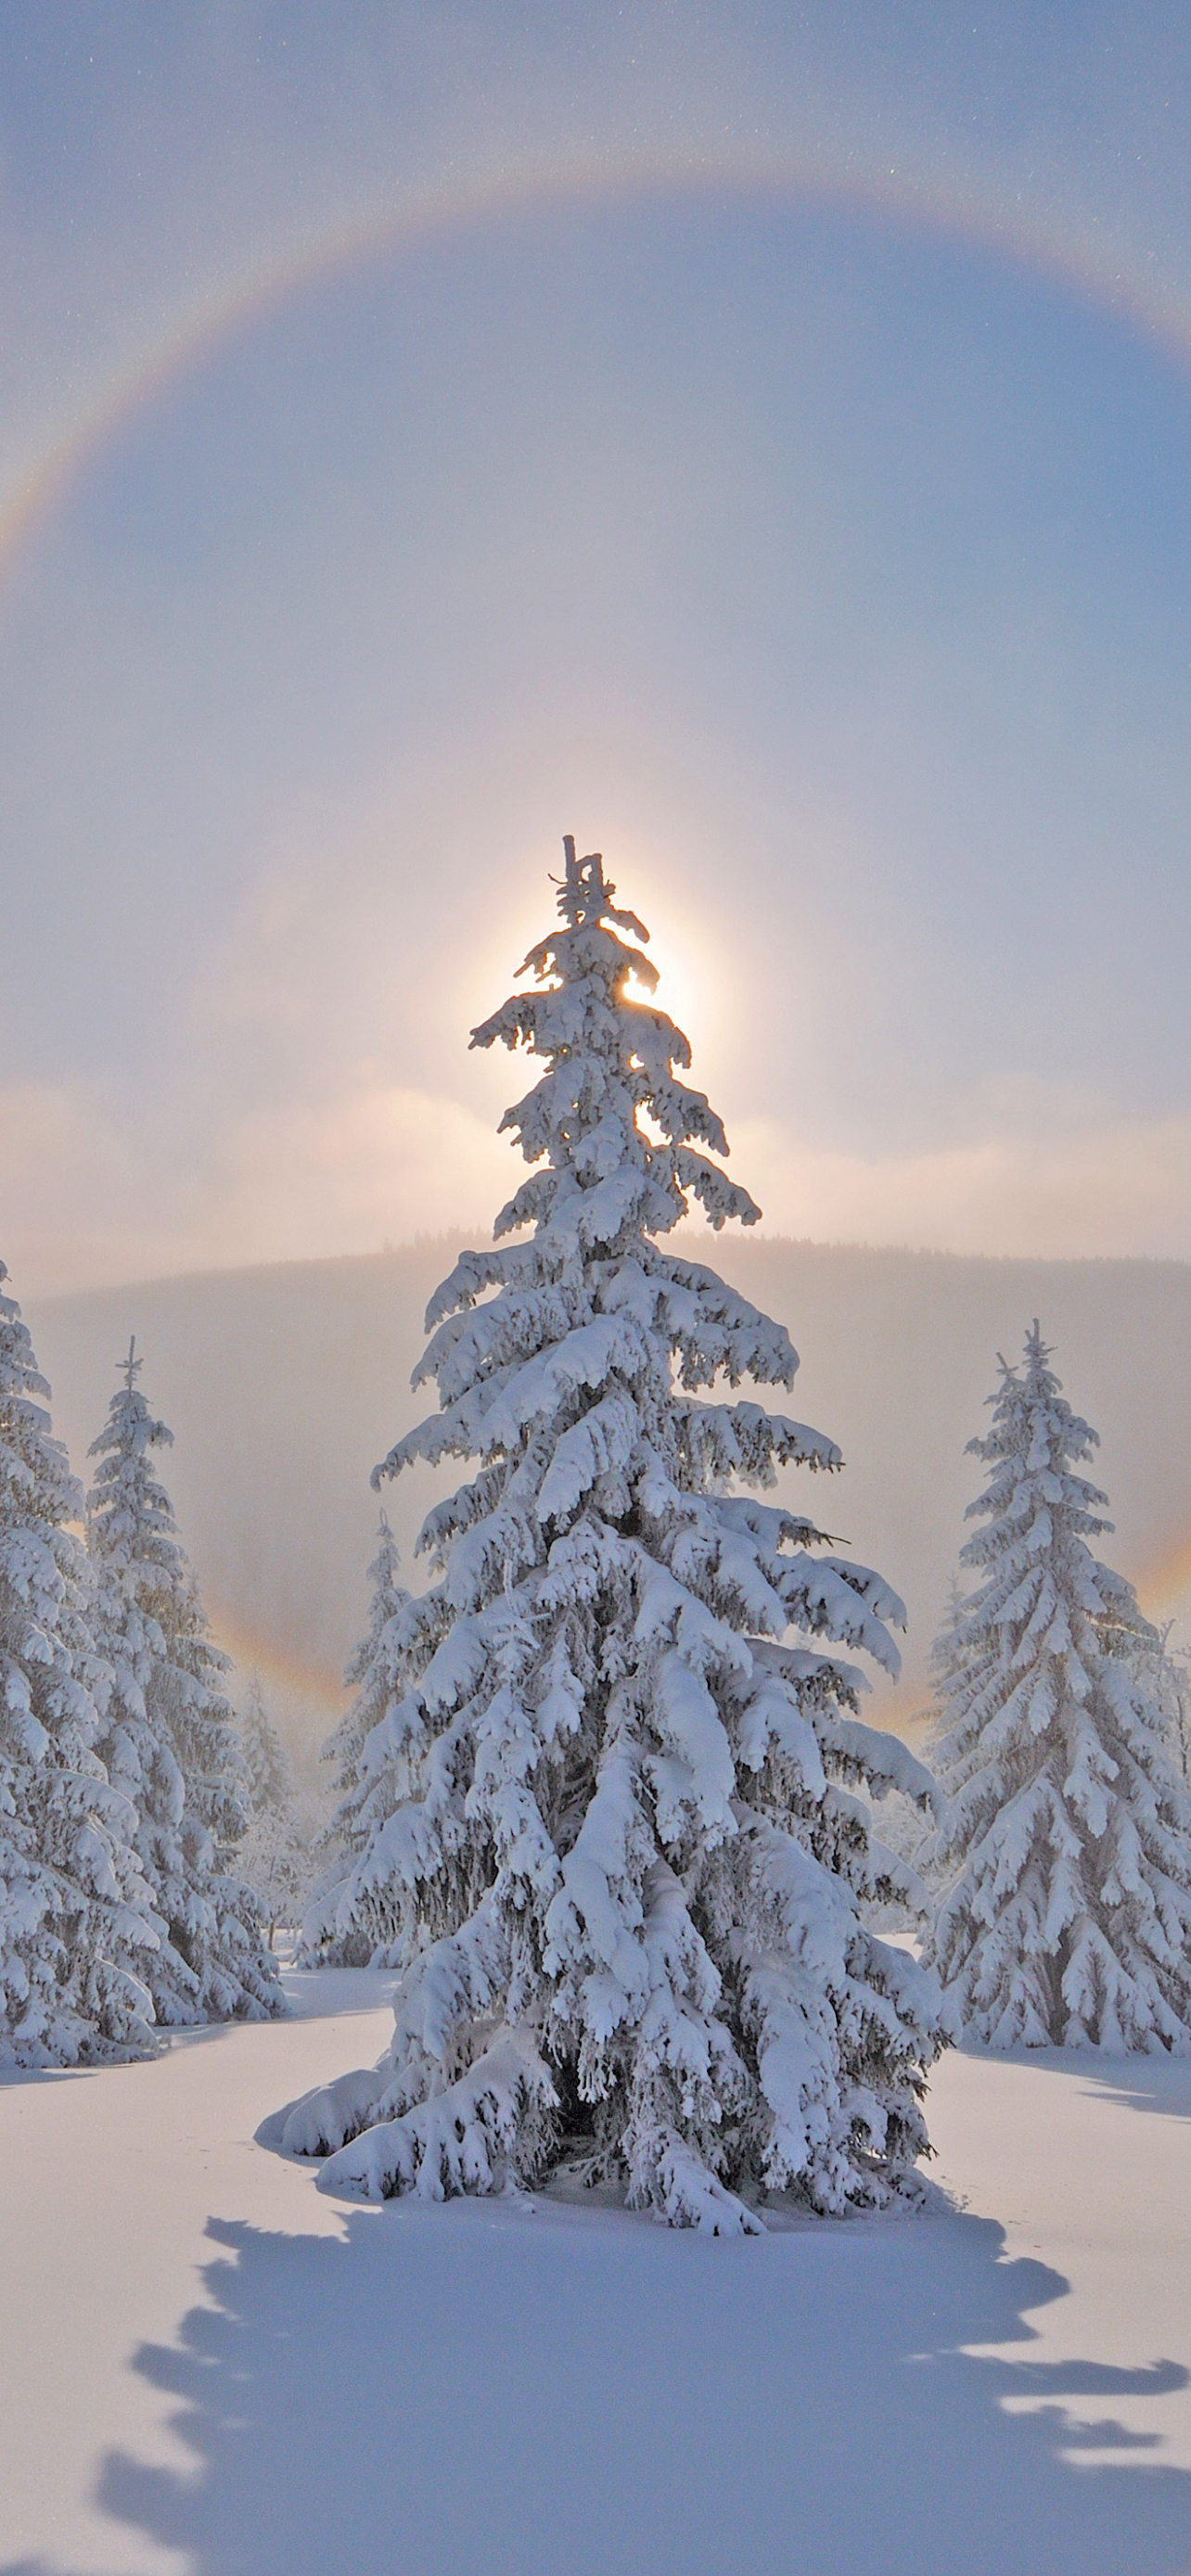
1171 1667
622 1850
349 1917
906 1831
76 1933
170 1740
269 1774
279 1853
279 1860
1068 1842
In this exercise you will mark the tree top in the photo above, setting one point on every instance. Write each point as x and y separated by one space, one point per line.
585 894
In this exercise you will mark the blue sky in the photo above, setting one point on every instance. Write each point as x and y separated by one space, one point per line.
764 455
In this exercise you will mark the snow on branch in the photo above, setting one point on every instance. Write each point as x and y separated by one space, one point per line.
598 1786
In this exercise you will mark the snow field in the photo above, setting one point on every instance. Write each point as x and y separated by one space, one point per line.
208 2366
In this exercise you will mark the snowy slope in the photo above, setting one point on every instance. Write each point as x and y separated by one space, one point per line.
208 2367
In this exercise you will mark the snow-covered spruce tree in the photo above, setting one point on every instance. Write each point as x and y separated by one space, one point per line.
346 1920
282 1855
1171 1670
269 1777
275 1855
76 1932
623 1869
278 1859
1069 1922
170 1740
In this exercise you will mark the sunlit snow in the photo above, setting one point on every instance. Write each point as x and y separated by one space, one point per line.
208 2366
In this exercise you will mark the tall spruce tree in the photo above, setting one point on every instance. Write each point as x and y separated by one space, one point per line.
350 1915
170 1740
1069 1921
277 1855
622 1851
76 1933
268 1775
1170 1667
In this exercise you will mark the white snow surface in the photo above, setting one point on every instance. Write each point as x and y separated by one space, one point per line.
208 2366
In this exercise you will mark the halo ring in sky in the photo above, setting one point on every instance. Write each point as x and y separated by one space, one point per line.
1078 265
159 549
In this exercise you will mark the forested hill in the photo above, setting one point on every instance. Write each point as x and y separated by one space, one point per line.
284 1384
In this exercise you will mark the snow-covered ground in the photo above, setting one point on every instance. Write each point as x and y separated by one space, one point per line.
207 2366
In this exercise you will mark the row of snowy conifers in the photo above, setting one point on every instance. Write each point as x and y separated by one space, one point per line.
1052 1881
600 1787
123 1790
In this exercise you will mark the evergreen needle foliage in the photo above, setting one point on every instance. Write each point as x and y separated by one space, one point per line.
170 1741
349 1918
277 1855
613 1846
268 1776
1069 1921
77 1939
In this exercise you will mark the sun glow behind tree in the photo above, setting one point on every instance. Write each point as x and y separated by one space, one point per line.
605 1825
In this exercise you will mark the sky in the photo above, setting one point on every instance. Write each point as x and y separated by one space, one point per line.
752 438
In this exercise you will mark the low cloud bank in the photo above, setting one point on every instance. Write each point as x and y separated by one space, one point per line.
97 1192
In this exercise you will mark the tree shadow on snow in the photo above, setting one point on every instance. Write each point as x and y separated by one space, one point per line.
567 2393
1144 2082
11 2077
316 1994
311 1994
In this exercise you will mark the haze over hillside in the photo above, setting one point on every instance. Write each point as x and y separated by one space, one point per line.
285 1384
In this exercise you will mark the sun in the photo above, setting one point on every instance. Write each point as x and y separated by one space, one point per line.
696 985
696 981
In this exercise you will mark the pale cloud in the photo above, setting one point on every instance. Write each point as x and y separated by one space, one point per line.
1115 1186
380 1162
89 1203
94 1197
70 1189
